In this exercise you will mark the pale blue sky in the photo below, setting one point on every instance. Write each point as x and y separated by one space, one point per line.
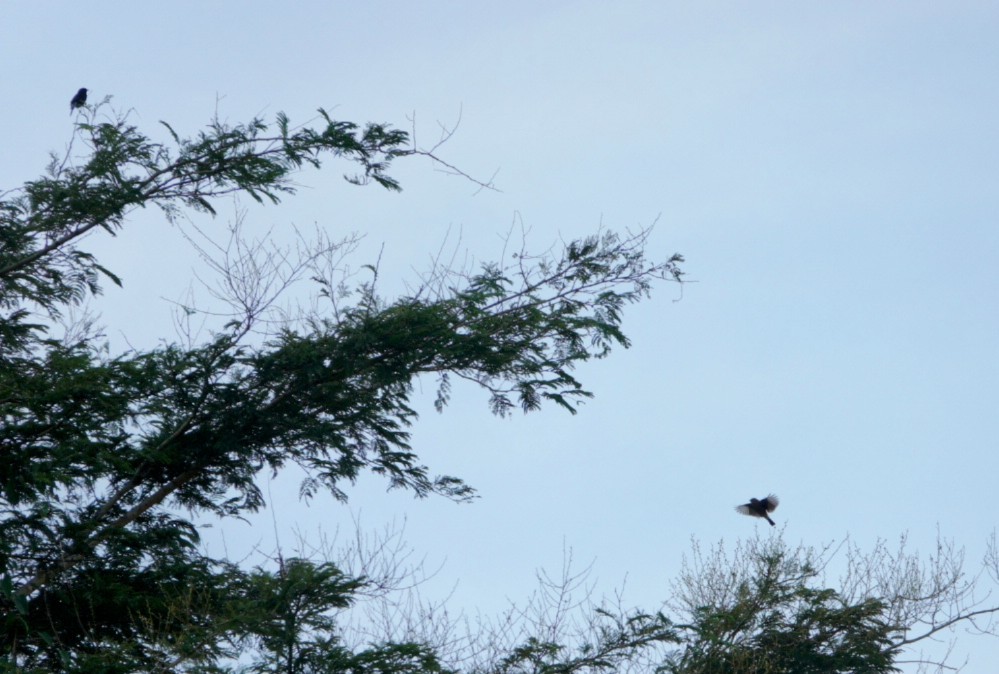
828 169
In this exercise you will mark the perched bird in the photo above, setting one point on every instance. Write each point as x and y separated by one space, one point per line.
759 508
78 101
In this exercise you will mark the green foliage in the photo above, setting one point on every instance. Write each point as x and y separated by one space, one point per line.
289 618
612 643
781 625
108 458
766 610
125 170
288 615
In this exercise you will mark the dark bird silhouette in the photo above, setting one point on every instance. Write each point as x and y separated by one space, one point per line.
759 508
78 101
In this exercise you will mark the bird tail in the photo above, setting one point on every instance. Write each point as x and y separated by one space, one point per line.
772 523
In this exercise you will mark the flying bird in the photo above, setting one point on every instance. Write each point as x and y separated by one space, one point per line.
78 101
760 507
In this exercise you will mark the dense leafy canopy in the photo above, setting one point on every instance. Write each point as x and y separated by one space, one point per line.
102 453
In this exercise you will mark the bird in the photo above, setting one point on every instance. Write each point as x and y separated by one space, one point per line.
760 507
78 101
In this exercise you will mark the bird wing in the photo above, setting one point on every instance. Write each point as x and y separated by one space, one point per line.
770 503
745 509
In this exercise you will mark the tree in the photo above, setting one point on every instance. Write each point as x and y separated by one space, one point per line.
770 607
290 617
766 613
108 457
762 608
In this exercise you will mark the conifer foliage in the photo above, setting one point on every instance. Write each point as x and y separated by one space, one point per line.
107 458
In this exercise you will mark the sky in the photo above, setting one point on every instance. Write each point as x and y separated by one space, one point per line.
828 170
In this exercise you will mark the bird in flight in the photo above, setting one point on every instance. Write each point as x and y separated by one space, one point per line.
78 101
760 507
